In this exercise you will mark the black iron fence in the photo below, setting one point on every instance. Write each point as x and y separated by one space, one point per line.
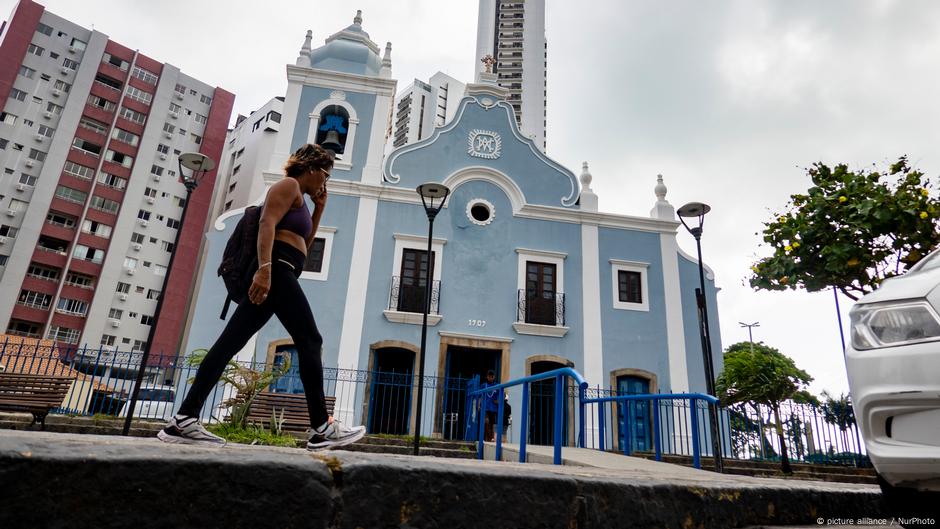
385 403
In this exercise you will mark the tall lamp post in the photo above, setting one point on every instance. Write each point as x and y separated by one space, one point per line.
198 165
750 335
698 210
433 196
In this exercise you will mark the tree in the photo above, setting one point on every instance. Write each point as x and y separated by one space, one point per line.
761 375
839 411
850 230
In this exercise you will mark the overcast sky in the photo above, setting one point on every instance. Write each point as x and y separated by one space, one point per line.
729 100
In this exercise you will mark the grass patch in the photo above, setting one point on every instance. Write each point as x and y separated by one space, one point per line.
251 435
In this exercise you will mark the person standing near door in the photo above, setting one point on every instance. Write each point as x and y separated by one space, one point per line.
490 407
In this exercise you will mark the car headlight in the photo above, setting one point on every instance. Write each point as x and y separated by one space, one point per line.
890 324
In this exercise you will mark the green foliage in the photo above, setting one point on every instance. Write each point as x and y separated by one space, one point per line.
838 411
247 382
759 374
251 435
850 230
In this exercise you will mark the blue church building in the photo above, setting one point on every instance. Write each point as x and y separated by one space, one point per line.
528 275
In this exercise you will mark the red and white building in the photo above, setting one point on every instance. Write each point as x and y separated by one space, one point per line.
90 195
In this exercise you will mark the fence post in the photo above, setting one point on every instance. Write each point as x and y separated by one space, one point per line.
559 404
582 408
523 432
696 456
626 432
498 427
601 437
481 420
657 442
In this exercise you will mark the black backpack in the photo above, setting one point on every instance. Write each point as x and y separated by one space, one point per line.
240 258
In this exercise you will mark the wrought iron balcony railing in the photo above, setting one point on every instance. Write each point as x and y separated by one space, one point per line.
542 308
410 296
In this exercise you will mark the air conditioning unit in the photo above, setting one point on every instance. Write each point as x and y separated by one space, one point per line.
168 135
11 212
65 70
150 200
3 240
73 49
47 115
156 178
162 156
175 115
137 247
39 137
143 222
56 92
130 271
178 95
115 323
21 187
30 162
123 297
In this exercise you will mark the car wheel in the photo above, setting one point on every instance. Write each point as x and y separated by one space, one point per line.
906 502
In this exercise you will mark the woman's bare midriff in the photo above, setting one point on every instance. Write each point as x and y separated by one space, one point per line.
292 239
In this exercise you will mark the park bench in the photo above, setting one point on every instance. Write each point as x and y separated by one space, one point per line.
294 407
36 394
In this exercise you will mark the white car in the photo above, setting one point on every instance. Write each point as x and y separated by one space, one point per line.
893 364
153 402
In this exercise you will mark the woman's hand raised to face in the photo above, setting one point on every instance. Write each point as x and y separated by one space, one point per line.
319 201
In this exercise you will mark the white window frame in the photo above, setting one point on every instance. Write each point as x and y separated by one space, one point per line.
326 233
541 256
618 265
345 161
416 242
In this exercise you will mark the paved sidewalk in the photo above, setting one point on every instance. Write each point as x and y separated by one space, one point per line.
66 480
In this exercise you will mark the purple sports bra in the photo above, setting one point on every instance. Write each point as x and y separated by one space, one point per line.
297 220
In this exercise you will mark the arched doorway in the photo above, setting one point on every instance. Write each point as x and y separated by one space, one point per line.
634 422
542 401
389 392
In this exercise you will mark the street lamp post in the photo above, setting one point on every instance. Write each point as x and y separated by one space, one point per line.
433 196
698 210
198 165
750 335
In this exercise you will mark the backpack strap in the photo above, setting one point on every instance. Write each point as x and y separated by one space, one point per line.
228 301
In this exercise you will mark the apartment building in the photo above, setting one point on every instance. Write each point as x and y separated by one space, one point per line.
90 195
421 107
513 32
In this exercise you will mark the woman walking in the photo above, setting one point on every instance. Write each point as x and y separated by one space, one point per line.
285 233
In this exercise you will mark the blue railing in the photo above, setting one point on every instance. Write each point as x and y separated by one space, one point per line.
655 400
559 375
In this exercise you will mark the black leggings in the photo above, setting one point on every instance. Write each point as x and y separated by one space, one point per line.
286 300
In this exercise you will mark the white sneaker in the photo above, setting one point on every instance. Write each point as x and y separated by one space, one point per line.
187 430
335 434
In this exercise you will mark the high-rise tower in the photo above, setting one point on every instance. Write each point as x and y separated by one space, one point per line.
513 32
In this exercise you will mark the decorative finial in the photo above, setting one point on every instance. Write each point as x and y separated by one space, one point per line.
387 58
586 176
303 59
660 188
358 19
488 61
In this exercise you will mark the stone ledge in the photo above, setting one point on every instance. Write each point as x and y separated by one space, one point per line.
74 481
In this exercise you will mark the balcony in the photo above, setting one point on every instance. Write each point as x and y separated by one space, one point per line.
49 257
406 302
58 231
540 313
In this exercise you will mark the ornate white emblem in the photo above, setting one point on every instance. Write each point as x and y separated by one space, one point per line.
484 144
338 95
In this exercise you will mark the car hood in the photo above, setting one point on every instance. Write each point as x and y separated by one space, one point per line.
911 285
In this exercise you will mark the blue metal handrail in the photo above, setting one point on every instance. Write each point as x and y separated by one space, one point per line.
657 441
559 376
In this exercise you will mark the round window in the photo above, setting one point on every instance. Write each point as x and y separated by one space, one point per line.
480 211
